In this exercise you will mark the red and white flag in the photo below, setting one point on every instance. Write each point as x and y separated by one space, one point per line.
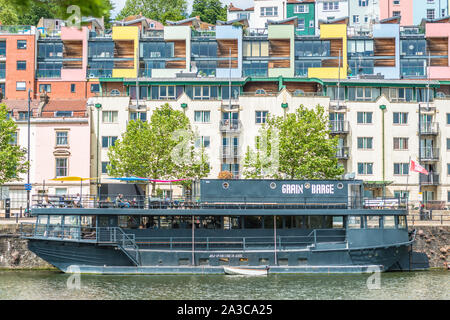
417 167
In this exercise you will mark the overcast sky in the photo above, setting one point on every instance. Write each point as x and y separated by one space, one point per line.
238 3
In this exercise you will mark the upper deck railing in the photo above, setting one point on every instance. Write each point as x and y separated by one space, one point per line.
180 203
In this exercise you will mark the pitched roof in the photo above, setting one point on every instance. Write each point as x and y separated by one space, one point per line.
65 105
20 105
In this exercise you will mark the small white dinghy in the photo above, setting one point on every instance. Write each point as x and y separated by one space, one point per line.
245 271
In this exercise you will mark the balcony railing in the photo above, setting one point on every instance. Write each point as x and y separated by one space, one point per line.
429 154
338 126
203 33
16 29
230 125
429 127
342 152
256 32
230 152
431 179
154 34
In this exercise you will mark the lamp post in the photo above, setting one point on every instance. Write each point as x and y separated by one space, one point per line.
98 106
28 153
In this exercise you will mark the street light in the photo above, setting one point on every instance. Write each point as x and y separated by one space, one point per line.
98 106
28 153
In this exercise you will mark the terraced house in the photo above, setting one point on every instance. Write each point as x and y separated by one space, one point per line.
386 90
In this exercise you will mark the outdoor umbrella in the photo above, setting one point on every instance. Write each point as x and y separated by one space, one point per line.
74 179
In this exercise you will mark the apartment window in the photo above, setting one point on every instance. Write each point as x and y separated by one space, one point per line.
400 143
63 114
269 11
105 165
95 88
402 194
365 167
108 141
21 65
13 140
448 144
202 116
400 117
21 44
301 8
396 2
365 143
301 24
72 87
61 167
203 141
442 12
138 116
448 118
331 6
355 19
45 88
363 3
401 168
110 116
23 115
396 13
448 169
430 14
261 116
364 117
62 138
21 86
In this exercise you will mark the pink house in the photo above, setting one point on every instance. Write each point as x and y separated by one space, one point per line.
63 141
76 46
403 8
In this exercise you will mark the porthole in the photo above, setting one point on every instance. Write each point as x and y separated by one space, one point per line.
307 185
340 185
225 185
273 185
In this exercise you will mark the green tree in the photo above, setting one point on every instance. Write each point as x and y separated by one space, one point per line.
160 10
94 8
209 10
160 149
12 156
8 15
35 12
296 146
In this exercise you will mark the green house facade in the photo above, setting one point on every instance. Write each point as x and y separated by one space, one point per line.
304 11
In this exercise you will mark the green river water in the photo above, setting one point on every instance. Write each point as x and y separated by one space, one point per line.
50 285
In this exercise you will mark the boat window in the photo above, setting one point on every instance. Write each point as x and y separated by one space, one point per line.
165 222
373 222
263 261
122 221
302 261
203 261
338 222
283 262
183 262
71 220
252 222
314 222
232 222
224 261
243 261
402 222
42 219
291 222
268 222
354 222
55 220
327 222
389 222
209 222
129 222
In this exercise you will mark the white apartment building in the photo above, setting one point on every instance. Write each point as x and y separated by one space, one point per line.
327 10
376 144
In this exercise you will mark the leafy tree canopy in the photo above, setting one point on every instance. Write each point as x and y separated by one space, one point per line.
159 10
12 156
160 149
209 10
296 146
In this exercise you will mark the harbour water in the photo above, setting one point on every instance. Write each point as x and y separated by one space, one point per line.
51 285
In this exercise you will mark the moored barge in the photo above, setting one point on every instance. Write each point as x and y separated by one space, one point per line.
286 226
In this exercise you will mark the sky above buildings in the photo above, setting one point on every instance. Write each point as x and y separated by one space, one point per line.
238 3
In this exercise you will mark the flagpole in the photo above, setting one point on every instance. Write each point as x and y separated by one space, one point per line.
407 177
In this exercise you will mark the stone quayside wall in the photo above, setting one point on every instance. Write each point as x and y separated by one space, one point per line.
14 254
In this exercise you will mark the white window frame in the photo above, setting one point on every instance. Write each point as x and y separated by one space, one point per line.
264 12
110 117
66 138
301 8
66 166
